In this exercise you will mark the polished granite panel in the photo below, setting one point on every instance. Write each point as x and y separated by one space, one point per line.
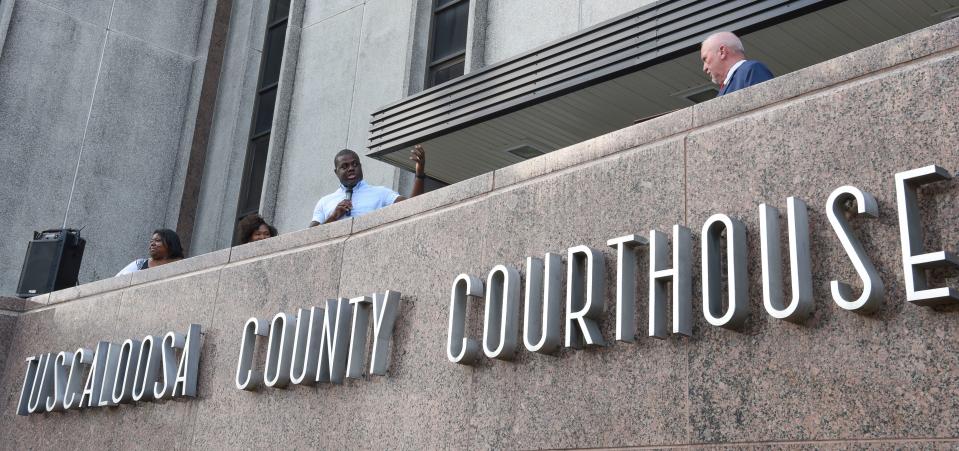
838 380
155 309
262 287
431 399
840 375
80 323
582 153
593 397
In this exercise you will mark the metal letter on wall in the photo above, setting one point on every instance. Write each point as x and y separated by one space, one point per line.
799 261
459 348
335 341
91 390
872 287
246 378
915 260
680 275
148 366
61 371
361 324
117 373
541 314
738 307
23 406
109 375
500 318
164 389
186 372
626 285
306 346
122 392
279 351
44 389
39 385
585 288
386 307
81 358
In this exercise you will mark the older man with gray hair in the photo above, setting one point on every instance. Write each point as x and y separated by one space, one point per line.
724 60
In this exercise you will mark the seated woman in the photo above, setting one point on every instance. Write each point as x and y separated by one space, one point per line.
253 228
164 248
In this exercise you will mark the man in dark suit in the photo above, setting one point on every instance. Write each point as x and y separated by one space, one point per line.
724 60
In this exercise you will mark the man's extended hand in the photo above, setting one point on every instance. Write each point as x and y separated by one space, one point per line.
419 156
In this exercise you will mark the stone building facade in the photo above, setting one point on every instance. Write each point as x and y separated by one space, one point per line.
839 378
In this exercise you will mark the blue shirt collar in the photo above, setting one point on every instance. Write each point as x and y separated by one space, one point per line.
359 185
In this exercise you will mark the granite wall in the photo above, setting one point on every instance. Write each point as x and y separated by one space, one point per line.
839 379
111 86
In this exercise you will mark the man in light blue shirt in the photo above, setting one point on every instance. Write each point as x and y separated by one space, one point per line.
355 197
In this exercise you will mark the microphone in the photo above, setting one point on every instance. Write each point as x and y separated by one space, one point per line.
349 196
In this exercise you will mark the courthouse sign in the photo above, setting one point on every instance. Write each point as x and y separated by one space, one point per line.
585 279
329 343
136 370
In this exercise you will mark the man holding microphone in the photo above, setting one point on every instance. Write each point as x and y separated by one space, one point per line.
355 197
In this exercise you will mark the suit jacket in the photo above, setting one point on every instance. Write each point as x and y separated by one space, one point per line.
749 73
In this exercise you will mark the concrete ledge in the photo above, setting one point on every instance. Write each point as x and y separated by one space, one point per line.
863 62
292 240
16 305
192 264
429 201
617 141
90 289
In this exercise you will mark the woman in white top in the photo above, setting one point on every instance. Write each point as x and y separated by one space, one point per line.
164 248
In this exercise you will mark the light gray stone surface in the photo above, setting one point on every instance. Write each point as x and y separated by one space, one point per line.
316 11
515 27
172 24
838 380
319 116
380 76
195 118
115 81
476 36
286 85
230 131
93 11
592 12
418 51
129 152
47 91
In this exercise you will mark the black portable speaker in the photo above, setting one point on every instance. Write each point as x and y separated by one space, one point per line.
52 262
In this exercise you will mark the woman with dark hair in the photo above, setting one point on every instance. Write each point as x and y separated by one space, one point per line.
253 228
164 248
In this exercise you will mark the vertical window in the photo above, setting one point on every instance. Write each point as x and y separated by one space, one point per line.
254 167
447 56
